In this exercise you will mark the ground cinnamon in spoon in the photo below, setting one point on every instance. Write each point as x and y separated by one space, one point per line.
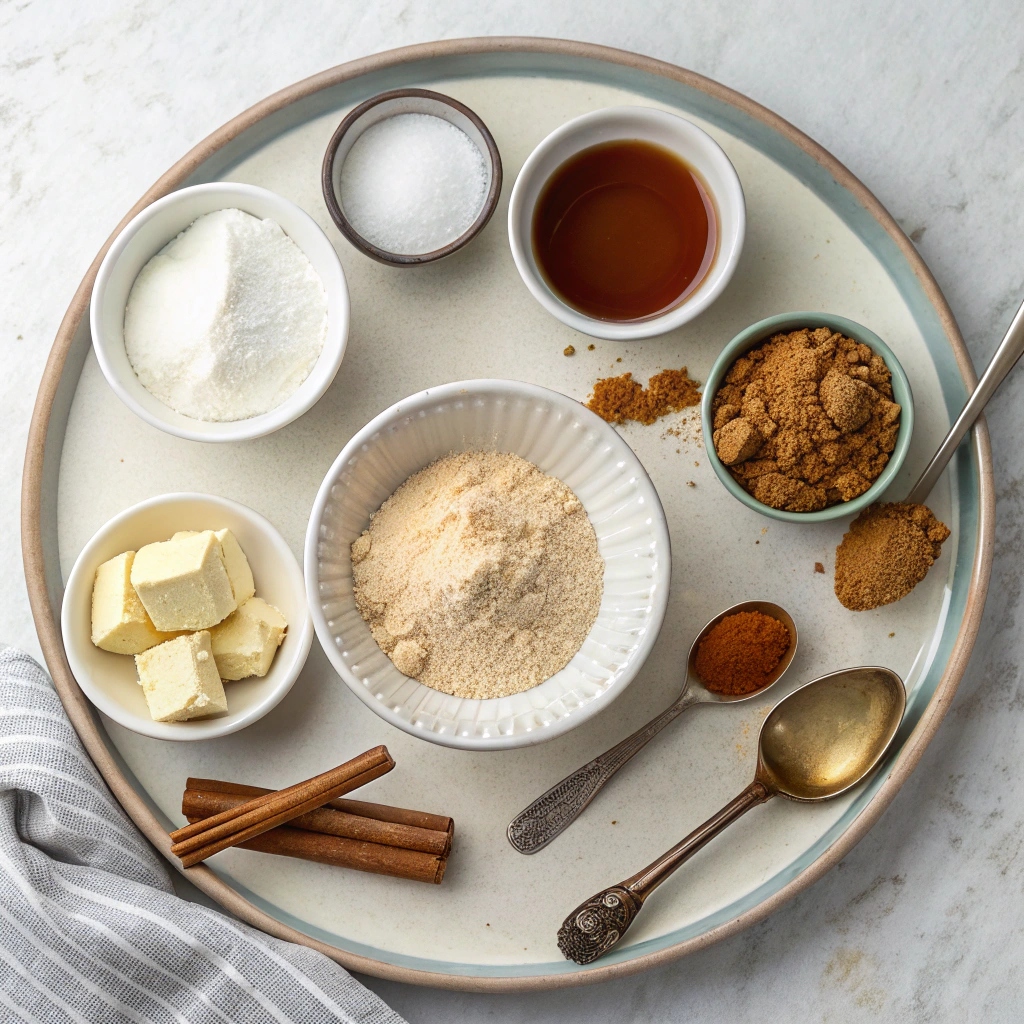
618 399
740 654
886 553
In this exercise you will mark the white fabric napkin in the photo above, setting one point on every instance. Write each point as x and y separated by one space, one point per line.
90 928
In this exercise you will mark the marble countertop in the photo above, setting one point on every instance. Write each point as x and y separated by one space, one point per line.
923 102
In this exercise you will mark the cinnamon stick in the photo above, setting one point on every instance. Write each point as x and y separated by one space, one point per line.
200 803
379 812
286 841
199 840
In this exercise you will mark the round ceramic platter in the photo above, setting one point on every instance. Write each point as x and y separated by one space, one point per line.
817 240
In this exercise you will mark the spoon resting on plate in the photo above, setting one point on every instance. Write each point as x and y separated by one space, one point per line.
553 812
818 742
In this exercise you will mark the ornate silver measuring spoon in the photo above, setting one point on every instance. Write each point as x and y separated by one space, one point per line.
818 742
549 815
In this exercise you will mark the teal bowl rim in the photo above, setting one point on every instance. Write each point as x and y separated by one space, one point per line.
755 333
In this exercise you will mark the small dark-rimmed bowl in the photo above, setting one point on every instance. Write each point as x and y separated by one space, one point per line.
781 324
379 108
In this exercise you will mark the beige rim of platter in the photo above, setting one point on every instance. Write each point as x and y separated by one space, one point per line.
43 461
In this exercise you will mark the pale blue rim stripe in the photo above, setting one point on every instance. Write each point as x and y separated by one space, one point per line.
807 170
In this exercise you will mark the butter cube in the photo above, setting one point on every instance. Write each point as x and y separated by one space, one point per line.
245 643
180 680
183 583
237 565
119 622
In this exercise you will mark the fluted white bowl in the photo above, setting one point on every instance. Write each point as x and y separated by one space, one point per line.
565 440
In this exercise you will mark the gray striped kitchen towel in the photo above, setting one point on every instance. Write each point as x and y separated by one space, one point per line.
90 928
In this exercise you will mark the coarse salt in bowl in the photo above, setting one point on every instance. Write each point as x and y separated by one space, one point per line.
144 236
563 439
409 147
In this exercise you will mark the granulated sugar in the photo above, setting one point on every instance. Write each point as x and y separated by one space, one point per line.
480 576
227 320
412 183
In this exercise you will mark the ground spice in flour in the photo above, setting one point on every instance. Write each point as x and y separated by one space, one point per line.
741 653
480 576
886 553
806 420
618 399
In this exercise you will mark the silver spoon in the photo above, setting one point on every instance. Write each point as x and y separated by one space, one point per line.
818 742
549 815
1010 349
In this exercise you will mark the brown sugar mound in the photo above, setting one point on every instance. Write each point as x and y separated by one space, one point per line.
618 399
740 654
806 420
886 553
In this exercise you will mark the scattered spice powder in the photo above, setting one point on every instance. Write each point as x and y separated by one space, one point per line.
740 654
806 420
618 399
888 550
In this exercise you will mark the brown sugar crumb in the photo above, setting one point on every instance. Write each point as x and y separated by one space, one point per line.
590 348
569 350
806 420
618 399
888 550
818 567
741 653
690 483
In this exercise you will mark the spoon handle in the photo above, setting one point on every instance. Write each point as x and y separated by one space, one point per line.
549 815
1009 351
597 924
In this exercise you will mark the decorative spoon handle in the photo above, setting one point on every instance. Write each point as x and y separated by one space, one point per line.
1009 351
549 815
597 924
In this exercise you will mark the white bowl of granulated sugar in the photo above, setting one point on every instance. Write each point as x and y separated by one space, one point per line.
480 561
220 312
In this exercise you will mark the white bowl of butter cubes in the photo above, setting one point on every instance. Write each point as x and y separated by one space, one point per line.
185 617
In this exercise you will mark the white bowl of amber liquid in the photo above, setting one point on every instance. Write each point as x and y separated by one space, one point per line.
564 440
627 222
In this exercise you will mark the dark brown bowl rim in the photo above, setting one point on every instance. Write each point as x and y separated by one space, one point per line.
367 247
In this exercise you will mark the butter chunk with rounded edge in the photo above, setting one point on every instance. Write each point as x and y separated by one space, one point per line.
244 644
183 583
180 679
237 565
119 621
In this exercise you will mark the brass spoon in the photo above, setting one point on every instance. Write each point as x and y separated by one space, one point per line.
818 742
549 815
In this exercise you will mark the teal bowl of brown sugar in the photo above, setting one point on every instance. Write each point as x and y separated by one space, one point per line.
807 417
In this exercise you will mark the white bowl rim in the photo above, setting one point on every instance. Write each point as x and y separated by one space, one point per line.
410 405
198 729
706 293
299 402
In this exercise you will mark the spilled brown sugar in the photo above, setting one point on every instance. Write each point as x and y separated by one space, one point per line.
618 399
806 420
886 553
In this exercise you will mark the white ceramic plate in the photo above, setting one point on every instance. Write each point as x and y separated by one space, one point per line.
110 680
563 439
816 239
